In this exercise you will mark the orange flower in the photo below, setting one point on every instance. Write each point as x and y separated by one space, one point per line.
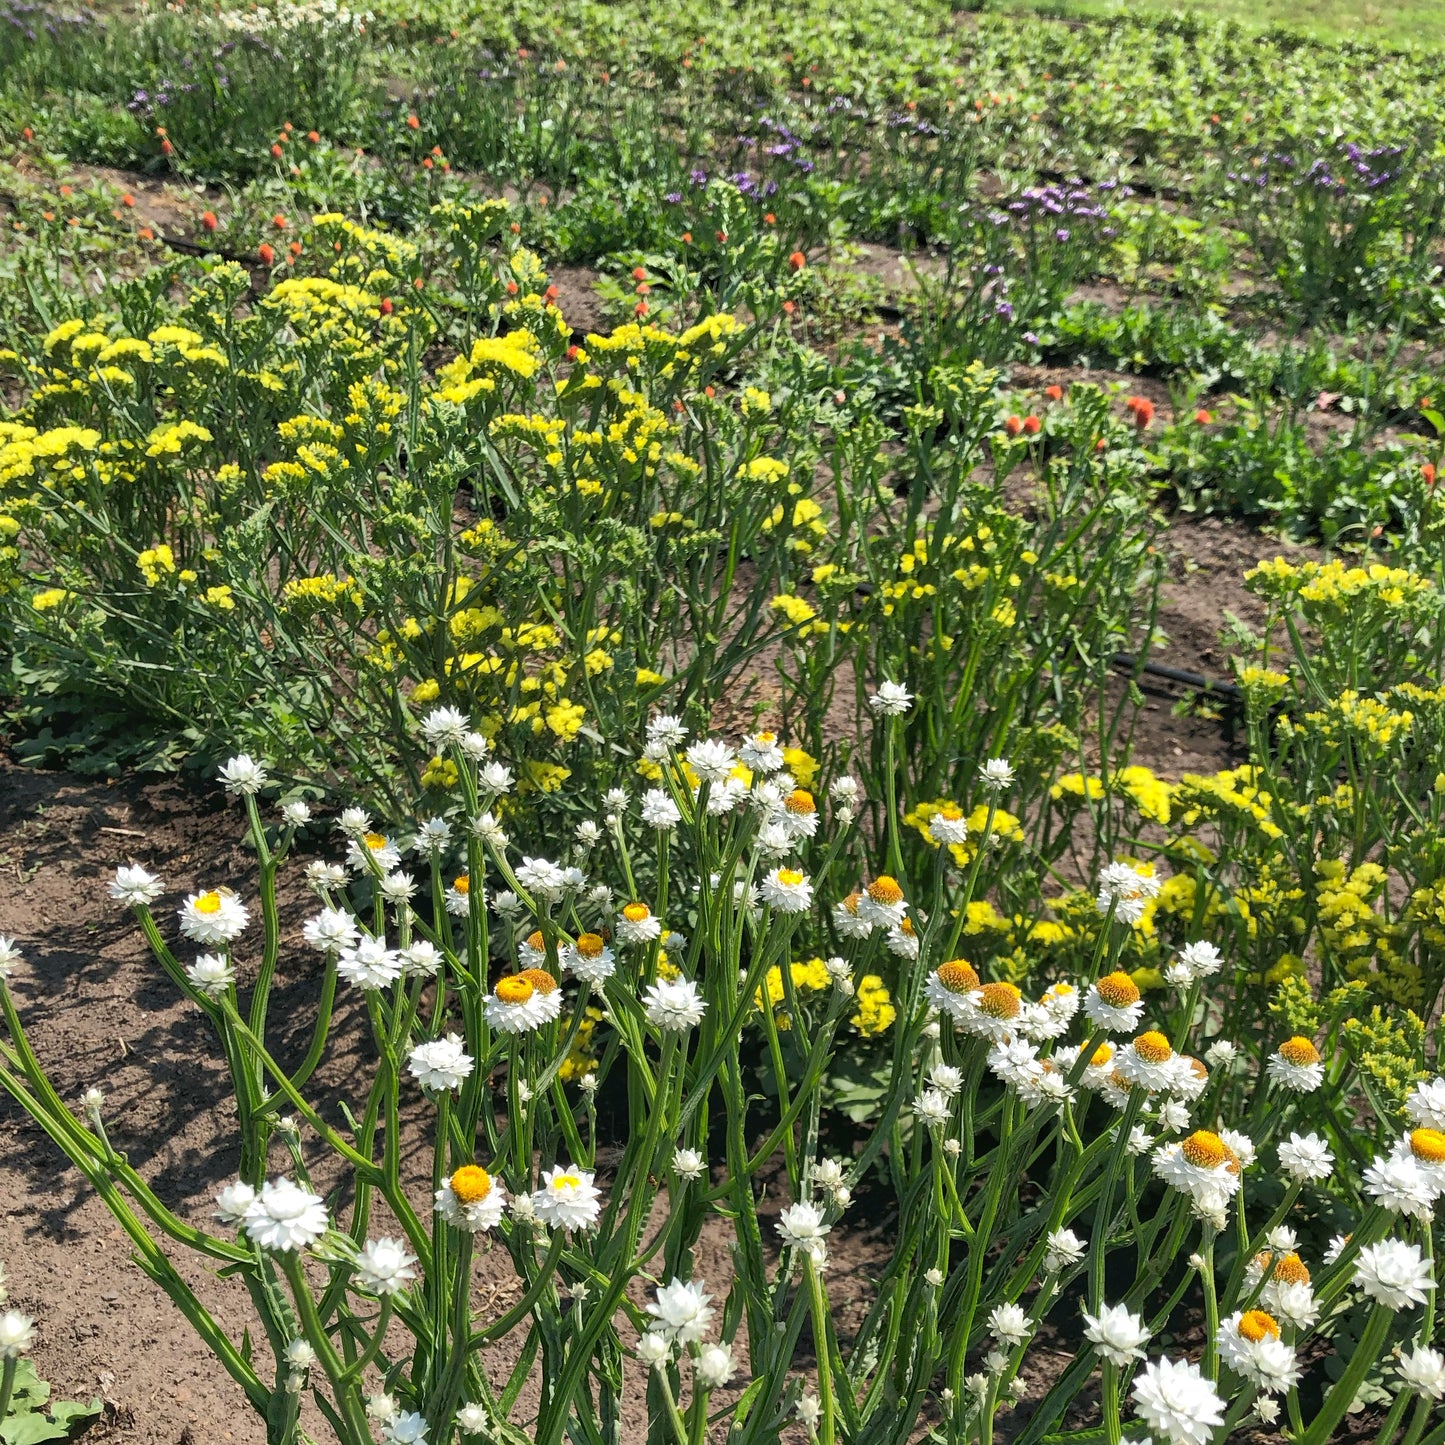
1031 425
209 221
797 260
1014 425
265 254
1054 392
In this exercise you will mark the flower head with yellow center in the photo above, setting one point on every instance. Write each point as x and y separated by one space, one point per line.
472 1200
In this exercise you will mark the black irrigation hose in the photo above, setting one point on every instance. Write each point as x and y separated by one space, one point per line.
1197 680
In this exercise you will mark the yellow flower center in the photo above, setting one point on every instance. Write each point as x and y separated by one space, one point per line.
1256 1325
1118 990
907 929
800 801
1428 1144
515 988
1299 1051
540 979
1197 1069
765 740
536 942
958 976
462 884
590 945
637 913
1101 1056
1000 1001
885 890
851 903
1059 990
375 841
471 1184
789 877
208 902
566 1181
1153 1047
1291 1269
949 813
1203 1149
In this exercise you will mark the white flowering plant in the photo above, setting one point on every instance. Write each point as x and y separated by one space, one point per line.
1093 1161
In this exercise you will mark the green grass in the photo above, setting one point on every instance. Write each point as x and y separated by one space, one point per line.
1403 22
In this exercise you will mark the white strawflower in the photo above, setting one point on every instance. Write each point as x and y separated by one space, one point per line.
397 888
1177 1403
381 1408
284 1216
383 1266
1009 1324
233 1201
353 822
445 727
1426 1105
1394 1274
523 1002
216 916
1063 1248
17 1334
1117 1333
210 974
296 813
891 700
666 729
243 776
946 1079
932 1108
135 886
635 925
659 810
299 1355
1400 1185
10 955
496 778
1423 1371
688 1164
674 1005
1221 1054
1296 1065
475 747
542 878
714 1366
473 1201
809 1410
324 877
654 1350
372 852
421 958
801 1226
761 752
331 930
786 890
1126 888
1203 960
1249 1344
405 1428
441 1064
568 1199
489 831
711 759
369 963
473 1420
996 775
682 1311
1114 1003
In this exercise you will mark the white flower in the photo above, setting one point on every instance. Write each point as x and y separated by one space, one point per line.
216 916
243 776
325 876
1177 1403
774 840
91 1101
1203 960
472 1200
384 1266
682 1311
445 727
1423 1371
786 890
902 941
369 963
233 1201
17 1334
801 1226
996 775
486 828
666 729
382 1407
542 878
433 837
508 905
1063 1248
296 813
473 1420
397 888
809 1410
658 809
891 700
636 925
761 753
654 1349
1114 1004
406 1428
1400 1185
330 931
9 956
1240 1145
1220 1054
674 1005
475 747
1426 1105
932 1108
210 974
714 1366
299 1355
284 1216
496 778
948 827
421 958
1200 1167
1296 1065
1009 1324
1336 1247
687 1163
441 1063
1117 1333
135 886
946 1079
1249 1344
1126 888
1292 1302
372 852
1393 1274
568 1199
523 1002
711 759
353 822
